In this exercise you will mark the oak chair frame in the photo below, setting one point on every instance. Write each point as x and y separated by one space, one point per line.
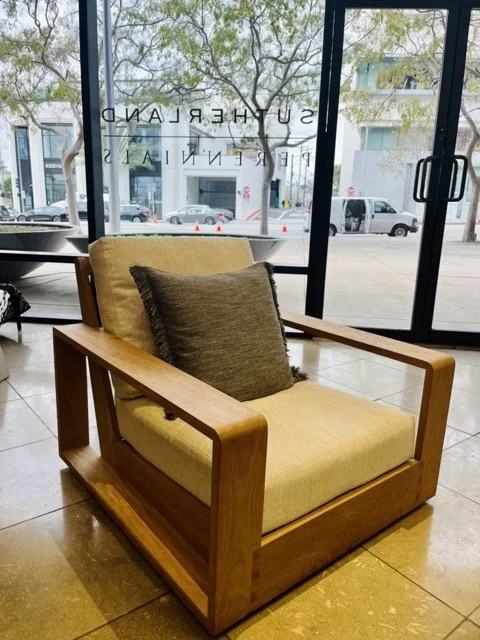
216 558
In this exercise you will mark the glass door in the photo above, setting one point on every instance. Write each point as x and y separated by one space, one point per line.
389 84
389 89
457 301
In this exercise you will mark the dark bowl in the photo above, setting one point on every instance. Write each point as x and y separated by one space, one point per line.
263 247
30 236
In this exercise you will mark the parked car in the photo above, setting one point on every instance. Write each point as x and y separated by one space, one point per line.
44 214
226 212
294 215
13 212
134 213
81 208
6 214
368 215
195 213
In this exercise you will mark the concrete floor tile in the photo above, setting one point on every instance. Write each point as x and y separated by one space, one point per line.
460 470
45 406
35 481
33 379
68 572
357 598
340 387
312 356
466 631
467 378
464 412
371 378
163 619
7 392
18 355
437 547
475 617
453 437
19 425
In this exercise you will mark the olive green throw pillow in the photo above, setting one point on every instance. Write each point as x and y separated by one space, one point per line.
224 329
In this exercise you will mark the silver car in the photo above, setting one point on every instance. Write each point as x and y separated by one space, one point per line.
200 213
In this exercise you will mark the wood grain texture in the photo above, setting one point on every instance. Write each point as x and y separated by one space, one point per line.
208 410
238 486
71 395
106 415
292 552
105 411
88 305
189 516
432 423
173 558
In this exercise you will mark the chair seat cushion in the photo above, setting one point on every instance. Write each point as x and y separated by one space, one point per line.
321 443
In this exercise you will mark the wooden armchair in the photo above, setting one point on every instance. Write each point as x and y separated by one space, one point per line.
215 553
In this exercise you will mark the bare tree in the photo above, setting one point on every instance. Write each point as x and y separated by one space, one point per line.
262 56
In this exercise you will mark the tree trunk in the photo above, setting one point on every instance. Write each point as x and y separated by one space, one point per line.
469 229
67 167
265 203
268 171
469 234
68 158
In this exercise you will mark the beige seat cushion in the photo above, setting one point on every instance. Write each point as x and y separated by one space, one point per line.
321 443
121 307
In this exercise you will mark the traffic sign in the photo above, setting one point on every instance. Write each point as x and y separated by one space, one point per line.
246 191
351 191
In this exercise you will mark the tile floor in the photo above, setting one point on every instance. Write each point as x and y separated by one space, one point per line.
67 572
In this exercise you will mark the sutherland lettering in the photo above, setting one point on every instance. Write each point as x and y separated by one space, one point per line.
204 116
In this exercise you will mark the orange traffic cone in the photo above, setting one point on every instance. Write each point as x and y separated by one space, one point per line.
219 227
284 228
196 227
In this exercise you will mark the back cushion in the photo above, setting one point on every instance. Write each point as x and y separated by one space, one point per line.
120 305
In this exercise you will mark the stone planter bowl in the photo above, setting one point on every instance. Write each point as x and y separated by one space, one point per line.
263 247
46 236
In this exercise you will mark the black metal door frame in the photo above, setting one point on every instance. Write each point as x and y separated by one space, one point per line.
448 111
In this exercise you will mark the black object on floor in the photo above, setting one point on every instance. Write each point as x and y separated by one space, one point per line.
12 304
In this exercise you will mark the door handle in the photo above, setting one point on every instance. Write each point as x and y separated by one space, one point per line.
453 182
455 162
419 194
417 179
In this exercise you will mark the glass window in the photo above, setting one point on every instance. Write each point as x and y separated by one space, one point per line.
381 206
53 142
377 138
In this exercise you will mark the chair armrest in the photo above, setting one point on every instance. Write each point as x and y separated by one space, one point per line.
239 439
395 349
208 410
437 385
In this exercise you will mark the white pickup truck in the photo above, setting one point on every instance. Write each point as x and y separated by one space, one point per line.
369 215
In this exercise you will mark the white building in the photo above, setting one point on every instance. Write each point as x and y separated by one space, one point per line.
379 159
165 158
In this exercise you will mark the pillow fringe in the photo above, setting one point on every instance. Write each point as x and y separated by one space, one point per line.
298 374
158 330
